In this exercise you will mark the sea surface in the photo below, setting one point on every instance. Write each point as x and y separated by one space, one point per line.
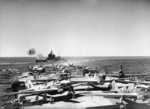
15 60
109 64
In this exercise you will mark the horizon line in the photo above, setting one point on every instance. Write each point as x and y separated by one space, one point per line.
70 56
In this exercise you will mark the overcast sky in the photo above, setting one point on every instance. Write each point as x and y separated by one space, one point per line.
75 27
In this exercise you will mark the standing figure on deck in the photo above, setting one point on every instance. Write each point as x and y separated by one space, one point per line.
121 74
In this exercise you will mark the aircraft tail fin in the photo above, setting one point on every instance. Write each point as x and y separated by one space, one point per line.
113 86
95 76
135 85
29 84
87 76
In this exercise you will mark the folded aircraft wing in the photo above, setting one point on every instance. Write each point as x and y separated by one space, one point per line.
128 95
126 82
42 80
34 91
137 74
127 75
84 81
99 85
79 84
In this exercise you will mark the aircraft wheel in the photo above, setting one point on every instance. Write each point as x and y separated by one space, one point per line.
72 95
8 90
143 99
22 99
87 89
134 100
51 100
122 106
69 93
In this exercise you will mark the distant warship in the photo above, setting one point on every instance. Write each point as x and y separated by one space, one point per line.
50 57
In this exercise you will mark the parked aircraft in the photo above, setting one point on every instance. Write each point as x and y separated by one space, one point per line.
121 74
124 92
47 89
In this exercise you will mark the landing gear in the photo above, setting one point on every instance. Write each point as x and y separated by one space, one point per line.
45 97
37 98
134 100
122 106
50 100
16 104
71 94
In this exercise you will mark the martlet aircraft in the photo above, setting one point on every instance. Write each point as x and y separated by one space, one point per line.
46 90
124 92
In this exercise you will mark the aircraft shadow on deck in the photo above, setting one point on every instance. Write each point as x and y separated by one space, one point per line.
130 105
94 89
63 98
